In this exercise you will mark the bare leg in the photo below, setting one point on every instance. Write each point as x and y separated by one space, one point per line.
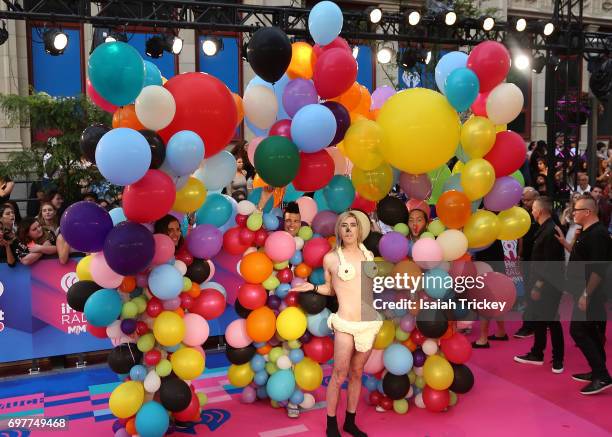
343 350
484 332
354 386
501 328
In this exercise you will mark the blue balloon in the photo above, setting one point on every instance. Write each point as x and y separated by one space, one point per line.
296 355
281 385
396 175
231 222
297 258
152 420
117 72
313 128
261 377
270 222
256 131
117 215
123 156
138 372
103 307
282 290
278 212
319 198
165 282
291 194
184 152
258 363
317 323
152 74
339 193
446 65
325 22
218 171
437 283
215 211
317 276
262 393
462 88
172 349
371 383
379 386
297 397
397 359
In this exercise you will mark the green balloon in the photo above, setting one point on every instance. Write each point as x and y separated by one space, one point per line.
519 177
141 303
271 283
436 227
427 235
277 161
280 266
453 398
271 368
294 344
255 221
305 233
401 335
146 342
412 377
129 310
400 406
419 382
163 368
186 283
437 177
275 353
402 228
202 398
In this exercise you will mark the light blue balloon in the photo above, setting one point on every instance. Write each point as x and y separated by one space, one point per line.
281 385
296 355
117 72
339 194
138 372
152 74
215 211
215 286
435 280
297 258
325 22
270 222
173 348
258 363
256 131
446 65
278 212
313 128
262 393
218 171
453 183
475 205
319 198
291 194
123 156
317 323
297 397
103 307
397 359
371 383
317 276
117 215
165 282
184 152
462 88
282 290
261 377
279 90
152 420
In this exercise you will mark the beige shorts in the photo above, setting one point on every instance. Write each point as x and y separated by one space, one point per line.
364 333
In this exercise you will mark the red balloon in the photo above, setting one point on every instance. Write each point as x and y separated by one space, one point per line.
141 328
386 403
154 307
189 413
292 299
150 198
152 357
497 288
285 275
97 331
186 300
260 237
375 397
364 205
417 338
314 250
334 73
183 255
205 106
508 153
320 349
252 296
315 171
210 304
281 128
462 268
241 220
435 400
457 349
232 243
247 237
490 61
338 43
479 107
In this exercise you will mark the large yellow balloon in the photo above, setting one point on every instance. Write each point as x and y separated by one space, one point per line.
169 328
514 223
481 229
438 373
291 323
373 184
362 143
477 136
187 363
126 399
191 196
477 178
301 61
240 375
82 269
385 336
308 374
421 130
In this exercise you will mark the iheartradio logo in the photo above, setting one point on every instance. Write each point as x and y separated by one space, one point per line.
1 288
68 280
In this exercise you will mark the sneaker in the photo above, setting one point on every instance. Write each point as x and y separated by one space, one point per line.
582 377
523 333
529 358
596 386
293 411
380 409
557 366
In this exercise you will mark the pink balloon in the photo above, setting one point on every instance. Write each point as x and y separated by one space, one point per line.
98 100
142 279
164 249
249 395
408 323
196 329
295 282
380 96
102 274
416 186
339 160
212 270
418 204
236 334
308 208
482 267
427 253
252 146
375 362
497 288
280 246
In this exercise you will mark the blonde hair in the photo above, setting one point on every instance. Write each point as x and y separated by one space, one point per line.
341 218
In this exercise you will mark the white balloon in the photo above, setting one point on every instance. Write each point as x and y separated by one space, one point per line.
152 382
260 106
181 181
308 402
430 347
245 207
114 329
299 243
218 171
504 103
155 107
283 362
454 244
418 401
180 266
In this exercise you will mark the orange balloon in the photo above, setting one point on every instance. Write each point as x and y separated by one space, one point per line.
454 209
411 269
303 271
363 107
301 61
180 311
261 324
410 345
239 108
194 291
130 427
465 257
264 349
373 115
278 194
332 241
256 267
126 117
350 98
128 284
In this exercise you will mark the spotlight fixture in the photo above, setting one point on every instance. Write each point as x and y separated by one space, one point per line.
488 23
154 47
245 50
521 25
3 34
549 28
414 17
112 36
538 63
410 57
428 57
384 55
374 14
521 61
211 46
554 61
55 41
172 43
355 51
450 18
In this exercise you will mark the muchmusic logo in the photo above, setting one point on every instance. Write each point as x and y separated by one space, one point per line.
68 280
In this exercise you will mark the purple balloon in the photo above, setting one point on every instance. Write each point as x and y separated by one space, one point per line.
249 395
393 247
324 223
128 326
416 186
85 225
380 96
306 337
299 93
407 323
274 302
122 432
506 193
418 358
117 426
343 120
129 248
205 241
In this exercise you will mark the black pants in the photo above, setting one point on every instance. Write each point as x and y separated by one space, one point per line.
590 337
556 338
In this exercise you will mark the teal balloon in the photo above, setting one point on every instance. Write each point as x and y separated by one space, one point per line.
291 194
475 205
152 74
277 161
117 72
317 323
317 276
215 211
281 385
435 280
320 200
254 197
462 88
339 193
152 420
103 307
437 177
453 183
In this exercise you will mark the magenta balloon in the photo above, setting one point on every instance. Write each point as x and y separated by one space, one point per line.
324 223
506 193
299 93
380 96
416 186
205 241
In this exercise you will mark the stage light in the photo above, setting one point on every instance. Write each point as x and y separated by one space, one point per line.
538 63
410 57
414 17
374 14
211 46
173 44
3 34
428 57
521 61
521 25
450 18
488 23
384 55
549 28
55 41
154 47
355 51
115 36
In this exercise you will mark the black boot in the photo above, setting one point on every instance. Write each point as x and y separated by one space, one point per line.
332 427
351 428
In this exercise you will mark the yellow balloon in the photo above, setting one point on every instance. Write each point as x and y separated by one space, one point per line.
373 184
501 128
362 143
191 196
164 80
301 61
514 223
385 336
240 375
308 374
126 399
438 373
481 229
421 130
340 147
477 178
169 328
477 136
457 167
291 323
187 363
82 269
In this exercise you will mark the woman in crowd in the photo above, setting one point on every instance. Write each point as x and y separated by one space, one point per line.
7 235
16 211
170 226
57 200
6 188
47 217
417 224
33 241
542 167
238 188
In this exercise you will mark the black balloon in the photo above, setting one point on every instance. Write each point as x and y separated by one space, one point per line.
396 386
311 302
343 120
240 310
432 323
240 355
371 242
463 380
269 53
123 357
89 140
174 393
332 303
198 271
158 149
392 211
79 292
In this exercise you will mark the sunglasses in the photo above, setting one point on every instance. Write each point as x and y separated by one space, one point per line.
581 209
